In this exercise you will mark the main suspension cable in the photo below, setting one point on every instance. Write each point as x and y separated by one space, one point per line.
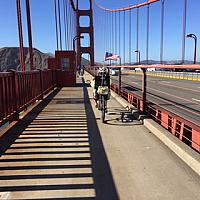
126 8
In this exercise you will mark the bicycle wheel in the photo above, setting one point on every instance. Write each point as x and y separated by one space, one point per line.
103 108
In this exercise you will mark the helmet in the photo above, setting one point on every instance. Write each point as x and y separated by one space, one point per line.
102 71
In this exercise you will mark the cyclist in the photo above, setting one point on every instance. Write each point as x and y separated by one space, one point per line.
79 70
102 79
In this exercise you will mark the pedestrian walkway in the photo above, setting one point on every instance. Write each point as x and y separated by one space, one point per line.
61 150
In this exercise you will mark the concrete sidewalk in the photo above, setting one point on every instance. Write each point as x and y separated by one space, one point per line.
61 150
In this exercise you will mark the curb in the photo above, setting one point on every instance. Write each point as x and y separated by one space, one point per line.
189 156
184 152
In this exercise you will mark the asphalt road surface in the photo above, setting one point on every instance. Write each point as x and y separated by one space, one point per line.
181 97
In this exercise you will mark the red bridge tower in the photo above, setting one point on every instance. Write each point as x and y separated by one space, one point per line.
81 30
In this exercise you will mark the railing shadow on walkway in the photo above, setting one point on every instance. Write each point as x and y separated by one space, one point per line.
14 132
104 183
26 169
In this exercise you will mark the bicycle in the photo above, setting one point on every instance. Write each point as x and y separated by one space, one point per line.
103 92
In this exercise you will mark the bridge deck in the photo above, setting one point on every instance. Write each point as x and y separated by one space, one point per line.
61 150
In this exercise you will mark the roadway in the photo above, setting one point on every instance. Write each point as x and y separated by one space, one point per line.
181 97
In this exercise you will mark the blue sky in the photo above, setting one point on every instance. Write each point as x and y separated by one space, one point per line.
43 27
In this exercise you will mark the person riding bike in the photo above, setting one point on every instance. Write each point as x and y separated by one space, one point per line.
101 79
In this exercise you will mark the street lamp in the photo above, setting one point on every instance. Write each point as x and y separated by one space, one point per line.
195 45
138 53
76 38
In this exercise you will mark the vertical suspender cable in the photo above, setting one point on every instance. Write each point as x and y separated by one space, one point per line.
147 45
75 23
19 18
111 28
184 30
137 34
106 36
69 24
101 25
119 36
108 29
29 34
129 37
105 31
56 22
72 22
110 32
60 28
162 31
124 37
115 32
65 22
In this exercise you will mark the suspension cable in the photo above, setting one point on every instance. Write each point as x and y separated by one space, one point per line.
65 22
130 37
72 24
162 31
137 34
69 25
124 36
184 30
126 8
28 13
60 28
115 32
119 35
110 33
19 18
56 22
147 45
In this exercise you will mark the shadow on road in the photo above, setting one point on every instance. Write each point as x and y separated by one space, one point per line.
103 180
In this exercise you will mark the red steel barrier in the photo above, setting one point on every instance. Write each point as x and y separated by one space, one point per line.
186 131
20 89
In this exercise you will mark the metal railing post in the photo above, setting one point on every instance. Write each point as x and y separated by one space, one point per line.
41 85
119 81
144 82
15 96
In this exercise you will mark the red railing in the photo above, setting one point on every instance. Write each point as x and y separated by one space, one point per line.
186 131
20 89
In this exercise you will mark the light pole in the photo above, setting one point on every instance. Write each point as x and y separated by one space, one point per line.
76 38
144 83
119 77
191 35
138 54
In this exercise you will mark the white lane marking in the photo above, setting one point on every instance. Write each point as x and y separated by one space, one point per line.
196 99
199 87
179 87
188 110
166 82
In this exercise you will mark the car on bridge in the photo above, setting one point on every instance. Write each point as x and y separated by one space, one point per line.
114 72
